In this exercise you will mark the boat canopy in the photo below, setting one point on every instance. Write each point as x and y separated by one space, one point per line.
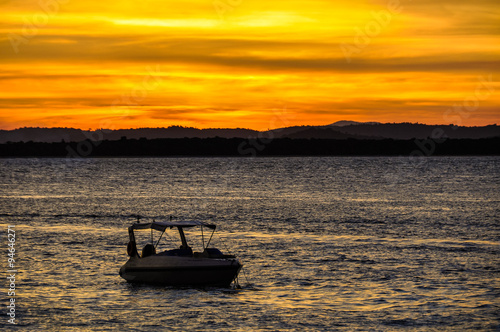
162 225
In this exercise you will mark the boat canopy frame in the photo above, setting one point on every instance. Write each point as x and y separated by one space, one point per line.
163 225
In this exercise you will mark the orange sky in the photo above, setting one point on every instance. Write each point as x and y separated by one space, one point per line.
247 63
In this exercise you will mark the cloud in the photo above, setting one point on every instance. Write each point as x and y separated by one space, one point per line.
238 54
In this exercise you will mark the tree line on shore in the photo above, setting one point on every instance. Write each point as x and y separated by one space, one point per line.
253 147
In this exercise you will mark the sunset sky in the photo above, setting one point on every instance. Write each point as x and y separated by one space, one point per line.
247 63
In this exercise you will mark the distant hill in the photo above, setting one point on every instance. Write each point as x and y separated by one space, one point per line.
375 130
416 130
51 135
344 123
178 132
41 135
337 130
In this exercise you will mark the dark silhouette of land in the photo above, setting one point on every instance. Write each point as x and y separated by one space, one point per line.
338 130
253 147
343 138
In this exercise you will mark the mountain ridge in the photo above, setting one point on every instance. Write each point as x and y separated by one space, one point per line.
339 130
343 123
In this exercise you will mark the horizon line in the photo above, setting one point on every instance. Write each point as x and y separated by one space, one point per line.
241 128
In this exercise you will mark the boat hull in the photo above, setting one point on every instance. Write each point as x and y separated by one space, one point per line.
180 271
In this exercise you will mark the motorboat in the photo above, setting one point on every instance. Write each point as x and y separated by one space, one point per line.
181 265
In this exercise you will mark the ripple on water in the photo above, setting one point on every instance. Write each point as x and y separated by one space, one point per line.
334 250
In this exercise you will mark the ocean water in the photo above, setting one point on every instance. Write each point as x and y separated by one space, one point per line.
328 244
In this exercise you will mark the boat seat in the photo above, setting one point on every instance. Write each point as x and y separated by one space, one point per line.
179 252
213 253
148 250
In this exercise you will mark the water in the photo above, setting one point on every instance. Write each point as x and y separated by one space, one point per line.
342 244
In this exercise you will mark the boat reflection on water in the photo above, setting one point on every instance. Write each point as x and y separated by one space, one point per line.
178 266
